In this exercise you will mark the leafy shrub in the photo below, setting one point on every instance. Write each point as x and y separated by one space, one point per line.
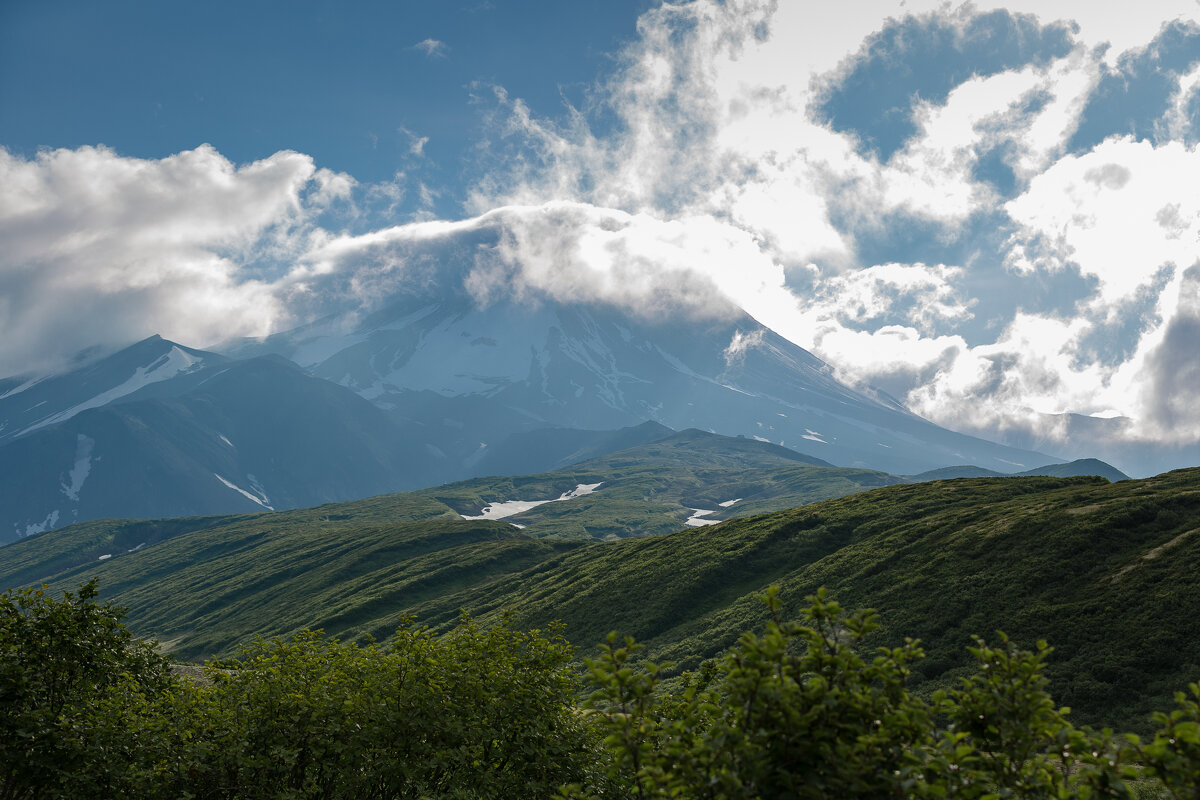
73 687
797 711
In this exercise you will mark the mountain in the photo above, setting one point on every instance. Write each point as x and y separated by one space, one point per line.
1108 573
30 403
547 449
216 437
507 367
1082 466
686 479
691 478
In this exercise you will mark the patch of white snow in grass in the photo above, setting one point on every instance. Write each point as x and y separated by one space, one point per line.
510 508
728 503
696 519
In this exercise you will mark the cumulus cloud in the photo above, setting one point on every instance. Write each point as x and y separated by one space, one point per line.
985 244
103 249
958 248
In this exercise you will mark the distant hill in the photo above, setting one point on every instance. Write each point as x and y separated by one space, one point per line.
1082 466
1109 573
648 489
546 449
1070 469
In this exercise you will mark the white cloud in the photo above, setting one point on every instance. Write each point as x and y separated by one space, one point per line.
1120 212
715 125
715 187
432 48
103 249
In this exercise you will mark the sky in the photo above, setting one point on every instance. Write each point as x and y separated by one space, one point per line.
988 210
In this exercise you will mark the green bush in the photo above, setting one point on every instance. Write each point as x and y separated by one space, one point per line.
797 711
74 686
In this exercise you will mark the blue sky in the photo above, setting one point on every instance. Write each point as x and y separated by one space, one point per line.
986 209
350 84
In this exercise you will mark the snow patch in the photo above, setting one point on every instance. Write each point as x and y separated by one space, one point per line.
509 508
728 503
262 501
696 519
105 557
163 368
83 467
29 384
135 549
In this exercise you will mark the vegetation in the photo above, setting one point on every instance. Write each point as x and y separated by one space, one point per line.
1109 572
799 711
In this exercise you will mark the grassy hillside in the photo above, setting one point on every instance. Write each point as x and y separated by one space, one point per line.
1108 573
204 584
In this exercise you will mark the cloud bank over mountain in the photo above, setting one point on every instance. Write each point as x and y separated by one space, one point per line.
986 212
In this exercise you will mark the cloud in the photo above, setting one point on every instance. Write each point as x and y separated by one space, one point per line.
432 48
104 249
1172 370
1137 97
980 240
875 95
935 232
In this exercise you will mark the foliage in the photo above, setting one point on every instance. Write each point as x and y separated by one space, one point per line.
472 714
1110 573
72 683
798 713
89 712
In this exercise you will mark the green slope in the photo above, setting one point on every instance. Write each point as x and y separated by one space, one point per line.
204 584
1108 573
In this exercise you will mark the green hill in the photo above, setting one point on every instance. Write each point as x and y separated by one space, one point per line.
1107 573
204 584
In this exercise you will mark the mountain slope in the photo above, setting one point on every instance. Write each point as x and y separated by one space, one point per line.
247 436
30 403
1082 466
595 367
1108 573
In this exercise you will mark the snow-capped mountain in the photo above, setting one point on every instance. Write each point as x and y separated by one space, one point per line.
506 367
246 436
432 388
31 402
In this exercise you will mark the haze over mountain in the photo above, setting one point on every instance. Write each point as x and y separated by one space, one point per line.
593 364
982 209
419 393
